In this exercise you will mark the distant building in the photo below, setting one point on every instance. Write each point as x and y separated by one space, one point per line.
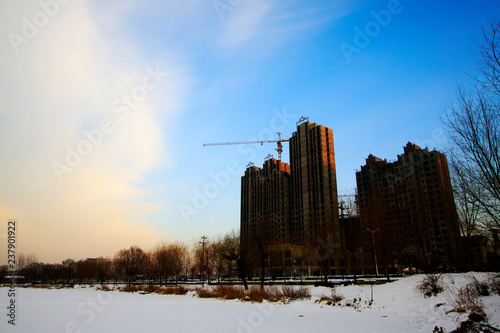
408 205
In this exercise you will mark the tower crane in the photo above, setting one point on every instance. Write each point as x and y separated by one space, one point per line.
279 141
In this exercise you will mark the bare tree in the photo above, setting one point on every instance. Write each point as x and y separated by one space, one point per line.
130 262
471 221
179 259
4 271
229 248
351 230
68 269
161 262
53 272
473 128
33 272
85 270
25 260
102 269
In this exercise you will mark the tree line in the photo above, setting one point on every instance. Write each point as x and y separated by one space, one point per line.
165 263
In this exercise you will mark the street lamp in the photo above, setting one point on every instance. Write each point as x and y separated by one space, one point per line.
203 260
374 248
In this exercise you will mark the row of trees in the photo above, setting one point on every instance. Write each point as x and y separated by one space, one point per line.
164 263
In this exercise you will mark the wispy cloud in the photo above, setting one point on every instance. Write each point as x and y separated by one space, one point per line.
275 22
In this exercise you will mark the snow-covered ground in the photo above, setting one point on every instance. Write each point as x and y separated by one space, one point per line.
397 307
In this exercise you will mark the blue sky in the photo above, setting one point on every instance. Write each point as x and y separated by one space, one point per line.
151 81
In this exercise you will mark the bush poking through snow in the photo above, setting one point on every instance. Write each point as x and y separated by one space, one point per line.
221 291
479 287
180 290
205 293
151 289
103 288
465 299
289 293
229 292
494 283
255 294
430 285
130 289
333 299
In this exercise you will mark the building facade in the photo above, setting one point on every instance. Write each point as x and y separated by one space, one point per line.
265 204
407 210
315 217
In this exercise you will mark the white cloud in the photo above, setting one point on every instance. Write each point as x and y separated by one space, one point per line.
245 22
63 81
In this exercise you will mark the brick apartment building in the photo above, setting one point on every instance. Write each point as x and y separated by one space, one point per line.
409 206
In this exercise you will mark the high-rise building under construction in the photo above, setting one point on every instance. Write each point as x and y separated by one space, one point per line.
293 206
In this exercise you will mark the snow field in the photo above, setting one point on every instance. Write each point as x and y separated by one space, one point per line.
397 307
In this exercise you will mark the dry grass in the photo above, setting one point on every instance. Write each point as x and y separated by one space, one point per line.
229 292
205 293
255 294
465 299
494 283
333 299
103 288
41 286
289 293
478 287
65 286
430 285
130 289
174 290
152 289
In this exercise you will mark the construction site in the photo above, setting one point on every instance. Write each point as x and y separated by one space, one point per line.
295 224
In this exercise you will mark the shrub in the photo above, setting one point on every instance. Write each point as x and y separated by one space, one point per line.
494 283
430 285
130 289
228 292
174 290
479 287
258 294
205 293
152 289
103 288
466 299
42 286
288 293
333 299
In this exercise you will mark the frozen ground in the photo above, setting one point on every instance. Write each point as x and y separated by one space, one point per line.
397 307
